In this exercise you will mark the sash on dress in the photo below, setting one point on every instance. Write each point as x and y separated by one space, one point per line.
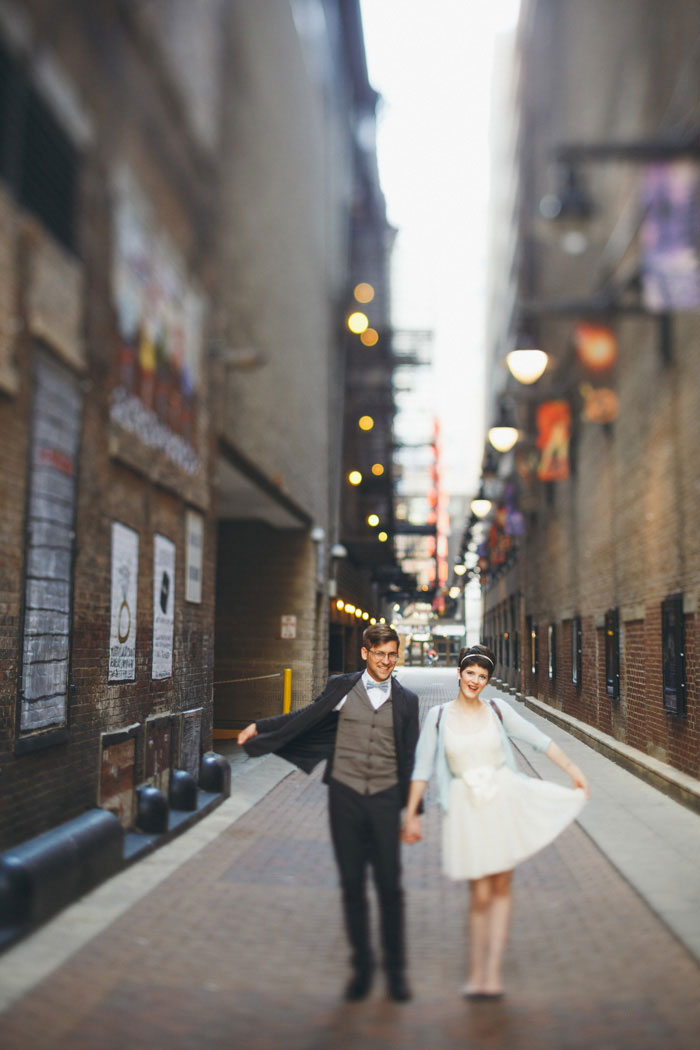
481 784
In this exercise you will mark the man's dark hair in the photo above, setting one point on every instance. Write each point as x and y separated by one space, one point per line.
378 634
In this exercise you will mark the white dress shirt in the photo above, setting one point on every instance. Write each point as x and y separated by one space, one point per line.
378 692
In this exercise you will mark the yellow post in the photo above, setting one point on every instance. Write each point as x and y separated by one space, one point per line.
287 691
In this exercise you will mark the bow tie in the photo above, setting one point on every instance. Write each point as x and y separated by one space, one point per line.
384 686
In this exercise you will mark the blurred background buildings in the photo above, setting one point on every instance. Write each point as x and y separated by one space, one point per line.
588 556
221 456
190 200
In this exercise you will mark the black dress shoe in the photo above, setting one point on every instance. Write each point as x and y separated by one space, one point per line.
358 986
397 987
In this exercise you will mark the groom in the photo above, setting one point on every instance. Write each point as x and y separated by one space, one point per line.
366 725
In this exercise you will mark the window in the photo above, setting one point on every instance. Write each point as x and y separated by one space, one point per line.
673 654
612 654
576 649
551 652
37 159
532 633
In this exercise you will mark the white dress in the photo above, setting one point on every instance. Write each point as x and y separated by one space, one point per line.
496 817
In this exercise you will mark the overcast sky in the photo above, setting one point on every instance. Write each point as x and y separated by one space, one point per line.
431 62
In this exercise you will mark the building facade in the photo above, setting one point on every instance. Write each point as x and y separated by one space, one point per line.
177 185
590 565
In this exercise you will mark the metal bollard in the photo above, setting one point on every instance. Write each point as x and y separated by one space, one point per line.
287 691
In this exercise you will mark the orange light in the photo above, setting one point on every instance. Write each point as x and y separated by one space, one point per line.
370 337
364 293
377 469
365 422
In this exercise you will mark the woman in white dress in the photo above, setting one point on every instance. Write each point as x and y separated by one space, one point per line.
494 816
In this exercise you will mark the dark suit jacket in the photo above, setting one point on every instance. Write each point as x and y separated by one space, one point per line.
307 736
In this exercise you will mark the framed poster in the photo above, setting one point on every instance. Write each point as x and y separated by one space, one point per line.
163 606
122 630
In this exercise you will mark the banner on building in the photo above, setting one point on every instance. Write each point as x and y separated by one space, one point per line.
163 606
596 346
122 631
553 436
669 236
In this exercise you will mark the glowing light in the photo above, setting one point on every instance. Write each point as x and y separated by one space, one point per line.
358 613
358 322
354 477
382 537
454 592
349 608
340 604
527 365
382 620
373 519
370 337
364 293
480 507
377 469
365 422
460 569
365 616
373 620
503 438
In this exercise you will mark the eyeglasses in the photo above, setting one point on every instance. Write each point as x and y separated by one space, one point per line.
379 655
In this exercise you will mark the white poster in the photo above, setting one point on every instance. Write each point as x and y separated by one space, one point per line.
194 547
163 606
122 632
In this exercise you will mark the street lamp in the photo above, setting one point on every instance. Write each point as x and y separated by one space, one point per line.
527 364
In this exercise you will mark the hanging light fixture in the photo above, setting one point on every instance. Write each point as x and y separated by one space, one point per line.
480 506
526 364
503 437
503 434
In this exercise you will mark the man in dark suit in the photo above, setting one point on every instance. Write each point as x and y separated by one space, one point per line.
366 725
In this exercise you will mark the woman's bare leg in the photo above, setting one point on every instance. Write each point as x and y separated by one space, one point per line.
501 903
478 933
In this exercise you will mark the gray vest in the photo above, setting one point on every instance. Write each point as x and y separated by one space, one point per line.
365 750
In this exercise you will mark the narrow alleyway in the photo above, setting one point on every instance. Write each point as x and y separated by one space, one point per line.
231 937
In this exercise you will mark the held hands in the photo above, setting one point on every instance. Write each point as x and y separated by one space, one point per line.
411 830
247 733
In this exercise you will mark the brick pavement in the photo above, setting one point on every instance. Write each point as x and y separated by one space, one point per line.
241 946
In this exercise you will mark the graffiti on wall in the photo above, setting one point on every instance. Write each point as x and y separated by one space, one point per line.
160 323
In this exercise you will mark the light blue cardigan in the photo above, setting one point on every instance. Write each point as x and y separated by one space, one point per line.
431 744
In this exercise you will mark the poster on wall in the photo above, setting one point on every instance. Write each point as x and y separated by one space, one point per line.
163 606
122 631
194 547
46 635
669 235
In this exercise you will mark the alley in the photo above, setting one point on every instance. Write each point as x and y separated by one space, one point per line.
230 936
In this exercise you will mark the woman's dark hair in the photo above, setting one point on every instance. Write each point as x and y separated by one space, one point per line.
480 655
